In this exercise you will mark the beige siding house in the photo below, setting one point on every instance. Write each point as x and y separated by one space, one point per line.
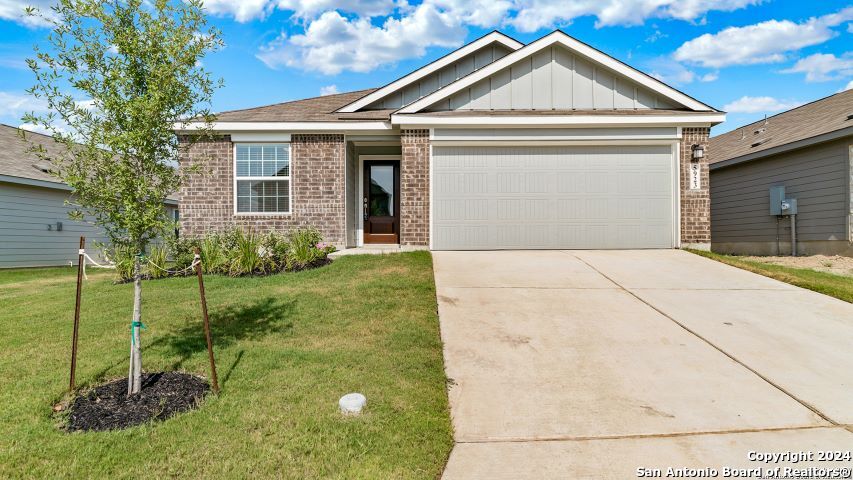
498 145
808 151
35 229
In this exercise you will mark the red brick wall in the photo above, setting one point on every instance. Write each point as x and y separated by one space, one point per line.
317 187
414 188
695 204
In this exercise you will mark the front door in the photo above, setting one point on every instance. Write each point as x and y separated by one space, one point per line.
381 201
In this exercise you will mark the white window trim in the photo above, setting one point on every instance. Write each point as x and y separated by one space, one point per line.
289 179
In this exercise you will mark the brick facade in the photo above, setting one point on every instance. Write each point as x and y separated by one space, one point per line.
695 204
318 163
414 188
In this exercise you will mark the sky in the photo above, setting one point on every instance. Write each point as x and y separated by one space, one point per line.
750 58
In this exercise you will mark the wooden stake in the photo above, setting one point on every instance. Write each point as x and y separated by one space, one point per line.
80 260
215 383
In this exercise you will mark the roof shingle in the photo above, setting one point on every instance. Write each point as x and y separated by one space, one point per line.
810 120
317 109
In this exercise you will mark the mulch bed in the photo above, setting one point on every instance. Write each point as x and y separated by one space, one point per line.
163 395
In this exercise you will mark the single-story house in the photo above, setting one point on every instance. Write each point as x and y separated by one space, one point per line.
35 230
497 145
808 151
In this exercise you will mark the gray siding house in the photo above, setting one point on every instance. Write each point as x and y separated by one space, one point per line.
497 145
35 229
808 151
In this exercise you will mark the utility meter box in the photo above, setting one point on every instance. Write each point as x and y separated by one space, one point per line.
789 206
777 195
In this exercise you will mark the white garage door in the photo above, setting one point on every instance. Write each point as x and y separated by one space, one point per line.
552 197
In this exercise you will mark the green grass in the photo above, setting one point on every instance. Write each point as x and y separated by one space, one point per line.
837 286
287 347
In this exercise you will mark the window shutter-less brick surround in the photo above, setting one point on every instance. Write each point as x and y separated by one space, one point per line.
317 190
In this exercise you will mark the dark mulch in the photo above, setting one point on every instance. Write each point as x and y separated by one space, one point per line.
163 395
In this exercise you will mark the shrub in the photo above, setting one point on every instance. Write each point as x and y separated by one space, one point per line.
306 248
122 256
214 258
157 256
248 255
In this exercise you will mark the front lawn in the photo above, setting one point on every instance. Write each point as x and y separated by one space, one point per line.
837 286
288 346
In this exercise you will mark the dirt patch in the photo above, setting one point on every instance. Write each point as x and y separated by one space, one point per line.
837 264
163 395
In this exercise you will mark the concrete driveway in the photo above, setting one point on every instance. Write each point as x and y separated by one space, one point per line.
592 364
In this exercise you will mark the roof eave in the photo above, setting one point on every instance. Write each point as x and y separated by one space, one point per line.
767 152
426 121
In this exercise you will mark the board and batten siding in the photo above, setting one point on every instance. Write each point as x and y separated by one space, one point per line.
447 75
554 79
817 176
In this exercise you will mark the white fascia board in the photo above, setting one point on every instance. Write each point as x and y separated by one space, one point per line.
580 48
421 121
288 126
428 69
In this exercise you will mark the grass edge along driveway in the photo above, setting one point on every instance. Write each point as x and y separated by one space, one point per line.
830 284
287 347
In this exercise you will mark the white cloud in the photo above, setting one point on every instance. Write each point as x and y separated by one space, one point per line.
16 104
710 77
354 37
14 10
533 15
668 71
848 86
822 67
247 10
749 104
328 90
765 42
334 43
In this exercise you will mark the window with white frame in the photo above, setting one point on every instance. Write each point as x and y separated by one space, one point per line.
262 177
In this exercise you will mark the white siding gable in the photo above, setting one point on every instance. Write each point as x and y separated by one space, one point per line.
553 79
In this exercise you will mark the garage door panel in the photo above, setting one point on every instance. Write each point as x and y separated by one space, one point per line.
552 197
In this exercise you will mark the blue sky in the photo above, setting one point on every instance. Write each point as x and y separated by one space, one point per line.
748 57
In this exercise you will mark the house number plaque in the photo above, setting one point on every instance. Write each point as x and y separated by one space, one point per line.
695 176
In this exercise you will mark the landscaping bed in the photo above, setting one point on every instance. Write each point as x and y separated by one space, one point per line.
287 347
108 407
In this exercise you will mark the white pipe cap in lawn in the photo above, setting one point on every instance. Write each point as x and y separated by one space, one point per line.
352 403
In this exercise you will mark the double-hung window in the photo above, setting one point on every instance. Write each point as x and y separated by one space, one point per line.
262 178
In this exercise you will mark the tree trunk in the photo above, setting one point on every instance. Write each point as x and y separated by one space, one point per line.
134 378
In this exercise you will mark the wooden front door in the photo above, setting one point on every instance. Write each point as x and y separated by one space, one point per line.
381 201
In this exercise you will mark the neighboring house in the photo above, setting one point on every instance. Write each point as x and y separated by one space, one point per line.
34 226
807 150
497 145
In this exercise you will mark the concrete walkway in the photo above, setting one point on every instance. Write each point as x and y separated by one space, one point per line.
591 364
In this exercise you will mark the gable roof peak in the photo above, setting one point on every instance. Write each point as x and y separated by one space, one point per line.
493 37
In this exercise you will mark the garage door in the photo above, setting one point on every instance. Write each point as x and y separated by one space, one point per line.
552 197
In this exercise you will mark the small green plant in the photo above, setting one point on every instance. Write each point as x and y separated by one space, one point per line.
827 264
123 256
306 248
248 254
213 255
157 256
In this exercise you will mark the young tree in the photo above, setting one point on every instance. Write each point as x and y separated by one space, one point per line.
118 76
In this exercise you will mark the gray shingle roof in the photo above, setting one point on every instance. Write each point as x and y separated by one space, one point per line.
810 120
16 161
317 109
